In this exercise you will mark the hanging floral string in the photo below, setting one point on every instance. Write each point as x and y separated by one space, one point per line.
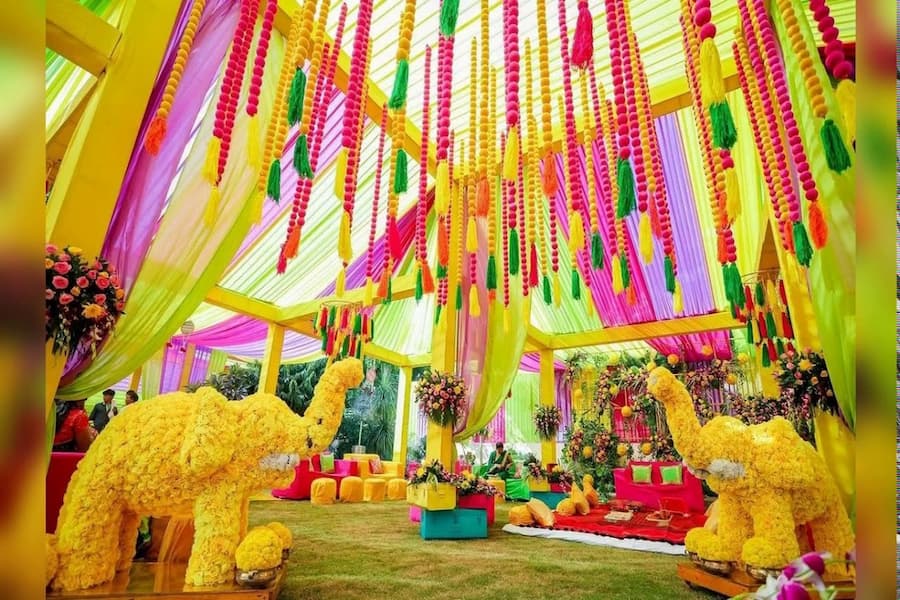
259 66
764 38
458 206
583 40
156 132
624 174
609 206
835 150
486 133
507 213
712 86
549 182
511 75
424 279
226 108
520 218
836 61
376 197
397 101
344 329
449 15
576 231
532 180
471 184
491 274
588 133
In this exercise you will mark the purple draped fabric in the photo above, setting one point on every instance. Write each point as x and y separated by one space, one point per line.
563 403
145 186
173 361
200 366
531 363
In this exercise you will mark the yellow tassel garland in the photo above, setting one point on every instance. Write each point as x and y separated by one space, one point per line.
712 86
253 152
340 174
557 291
733 195
442 187
211 165
256 206
588 299
212 206
345 248
471 235
846 99
677 300
511 155
369 297
576 231
645 238
341 282
505 320
617 285
474 306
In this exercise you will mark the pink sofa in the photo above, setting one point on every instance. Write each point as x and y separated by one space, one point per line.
690 491
310 469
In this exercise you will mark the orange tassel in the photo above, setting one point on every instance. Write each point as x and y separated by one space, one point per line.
789 236
383 284
443 245
483 198
427 279
722 250
292 243
548 178
155 134
818 228
630 296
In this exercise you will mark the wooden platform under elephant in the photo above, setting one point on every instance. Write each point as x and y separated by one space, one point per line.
165 581
739 582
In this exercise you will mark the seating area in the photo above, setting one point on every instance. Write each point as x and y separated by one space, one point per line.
311 469
652 492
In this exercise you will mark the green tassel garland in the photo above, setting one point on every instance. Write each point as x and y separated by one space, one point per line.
802 247
332 315
723 129
626 276
548 296
458 297
576 284
273 186
596 250
625 179
400 177
835 150
670 274
295 99
766 362
750 330
760 294
442 272
779 346
736 285
770 323
449 15
492 273
301 158
401 84
357 324
513 252
419 287
437 314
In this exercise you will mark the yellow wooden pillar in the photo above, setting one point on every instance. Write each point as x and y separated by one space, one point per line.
186 367
135 379
268 376
438 439
547 398
401 426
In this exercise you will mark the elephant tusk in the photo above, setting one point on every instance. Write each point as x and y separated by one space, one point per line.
726 469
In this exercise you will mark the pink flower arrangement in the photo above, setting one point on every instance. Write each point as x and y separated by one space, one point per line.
441 396
82 300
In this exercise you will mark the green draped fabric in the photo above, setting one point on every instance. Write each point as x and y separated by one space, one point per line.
520 409
216 362
151 378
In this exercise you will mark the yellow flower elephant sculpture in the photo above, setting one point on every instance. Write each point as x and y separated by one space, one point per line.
768 479
188 454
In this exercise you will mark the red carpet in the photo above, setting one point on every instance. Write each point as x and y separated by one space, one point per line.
638 527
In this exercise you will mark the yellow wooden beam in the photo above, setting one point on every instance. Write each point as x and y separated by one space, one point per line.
87 185
268 375
59 139
80 36
547 397
385 355
401 427
189 354
401 287
376 99
537 339
645 331
135 379
420 360
239 303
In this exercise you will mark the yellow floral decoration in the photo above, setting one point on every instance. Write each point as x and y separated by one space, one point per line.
188 455
283 533
768 479
260 550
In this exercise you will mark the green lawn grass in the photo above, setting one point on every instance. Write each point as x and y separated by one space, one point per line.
364 551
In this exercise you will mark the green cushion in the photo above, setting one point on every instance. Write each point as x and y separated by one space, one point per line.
640 473
327 461
671 475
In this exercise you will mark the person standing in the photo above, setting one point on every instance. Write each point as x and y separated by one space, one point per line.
73 431
130 398
103 412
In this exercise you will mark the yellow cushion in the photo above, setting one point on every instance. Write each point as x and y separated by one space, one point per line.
581 504
541 513
520 515
590 493
351 489
323 491
500 484
396 489
373 490
565 507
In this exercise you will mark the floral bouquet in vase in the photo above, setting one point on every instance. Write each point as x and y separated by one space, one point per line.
441 396
82 299
546 421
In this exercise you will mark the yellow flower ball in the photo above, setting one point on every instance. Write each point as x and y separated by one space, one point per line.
587 452
672 359
48 264
627 412
577 395
614 359
261 549
743 358
75 250
805 364
622 449
283 533
420 471
646 448
75 291
435 405
706 350
731 379
613 389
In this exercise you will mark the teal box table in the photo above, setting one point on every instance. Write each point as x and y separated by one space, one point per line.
456 524
551 499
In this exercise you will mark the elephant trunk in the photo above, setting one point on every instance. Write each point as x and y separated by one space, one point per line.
323 416
680 416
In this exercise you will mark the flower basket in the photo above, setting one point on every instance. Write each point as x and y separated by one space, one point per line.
479 501
546 422
538 485
441 397
432 496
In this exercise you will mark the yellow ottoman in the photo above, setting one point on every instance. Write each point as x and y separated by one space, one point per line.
373 490
351 489
323 491
500 484
396 489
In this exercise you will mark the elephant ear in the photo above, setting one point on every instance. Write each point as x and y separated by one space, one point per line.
781 458
210 434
